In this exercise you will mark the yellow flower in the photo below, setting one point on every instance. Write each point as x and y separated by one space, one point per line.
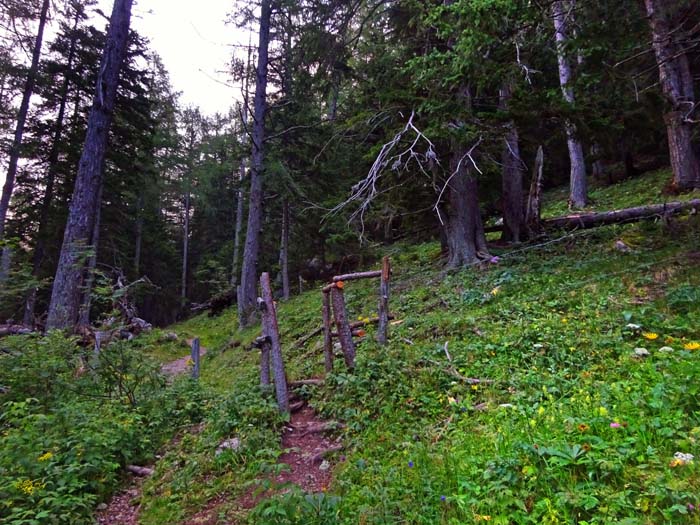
675 463
28 486
650 335
45 457
583 427
451 400
692 345
602 411
189 362
482 517
496 291
540 411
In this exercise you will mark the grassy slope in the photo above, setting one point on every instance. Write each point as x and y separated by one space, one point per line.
573 429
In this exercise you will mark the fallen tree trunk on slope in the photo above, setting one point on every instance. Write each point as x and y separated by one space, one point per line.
595 219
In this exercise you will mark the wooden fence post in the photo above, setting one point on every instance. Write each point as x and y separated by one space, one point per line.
327 338
383 312
195 358
270 329
341 323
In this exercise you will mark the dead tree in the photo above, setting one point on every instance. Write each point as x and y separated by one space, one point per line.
271 330
327 338
534 201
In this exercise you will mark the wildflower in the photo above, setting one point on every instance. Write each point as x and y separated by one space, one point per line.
443 498
495 259
583 427
189 362
496 291
410 464
586 447
602 411
666 349
540 411
45 457
669 340
28 486
691 507
651 336
537 346
692 345
641 352
684 458
615 424
564 320
451 400
632 326
482 517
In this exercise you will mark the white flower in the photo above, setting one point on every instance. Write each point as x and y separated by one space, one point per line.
683 457
632 326
538 345
666 349
641 352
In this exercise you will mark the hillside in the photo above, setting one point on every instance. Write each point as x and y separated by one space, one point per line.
575 426
572 422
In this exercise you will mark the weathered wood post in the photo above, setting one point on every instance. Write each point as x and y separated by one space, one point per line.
195 358
383 310
271 330
342 325
327 338
262 343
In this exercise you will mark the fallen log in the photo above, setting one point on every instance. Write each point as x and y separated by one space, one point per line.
605 218
356 276
14 329
304 382
140 471
321 428
319 456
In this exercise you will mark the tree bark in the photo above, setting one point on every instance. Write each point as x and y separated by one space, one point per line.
676 81
533 218
241 177
464 230
383 307
327 338
578 192
343 327
185 247
9 186
284 250
47 200
512 177
251 250
271 330
86 303
65 296
139 234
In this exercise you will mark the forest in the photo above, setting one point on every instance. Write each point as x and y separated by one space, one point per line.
525 174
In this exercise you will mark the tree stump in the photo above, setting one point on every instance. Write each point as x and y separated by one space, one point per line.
195 358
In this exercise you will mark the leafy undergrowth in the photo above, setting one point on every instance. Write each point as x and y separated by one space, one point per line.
576 424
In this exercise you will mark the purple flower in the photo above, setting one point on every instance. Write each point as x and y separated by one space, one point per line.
410 464
691 507
443 498
615 425
495 259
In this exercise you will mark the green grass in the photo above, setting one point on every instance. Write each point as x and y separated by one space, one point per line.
573 429
647 188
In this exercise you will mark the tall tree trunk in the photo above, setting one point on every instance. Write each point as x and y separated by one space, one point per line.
533 219
47 201
86 303
185 248
65 295
9 186
466 240
578 191
512 177
252 242
677 85
241 177
284 250
139 234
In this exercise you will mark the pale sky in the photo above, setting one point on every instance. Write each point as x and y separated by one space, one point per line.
195 44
